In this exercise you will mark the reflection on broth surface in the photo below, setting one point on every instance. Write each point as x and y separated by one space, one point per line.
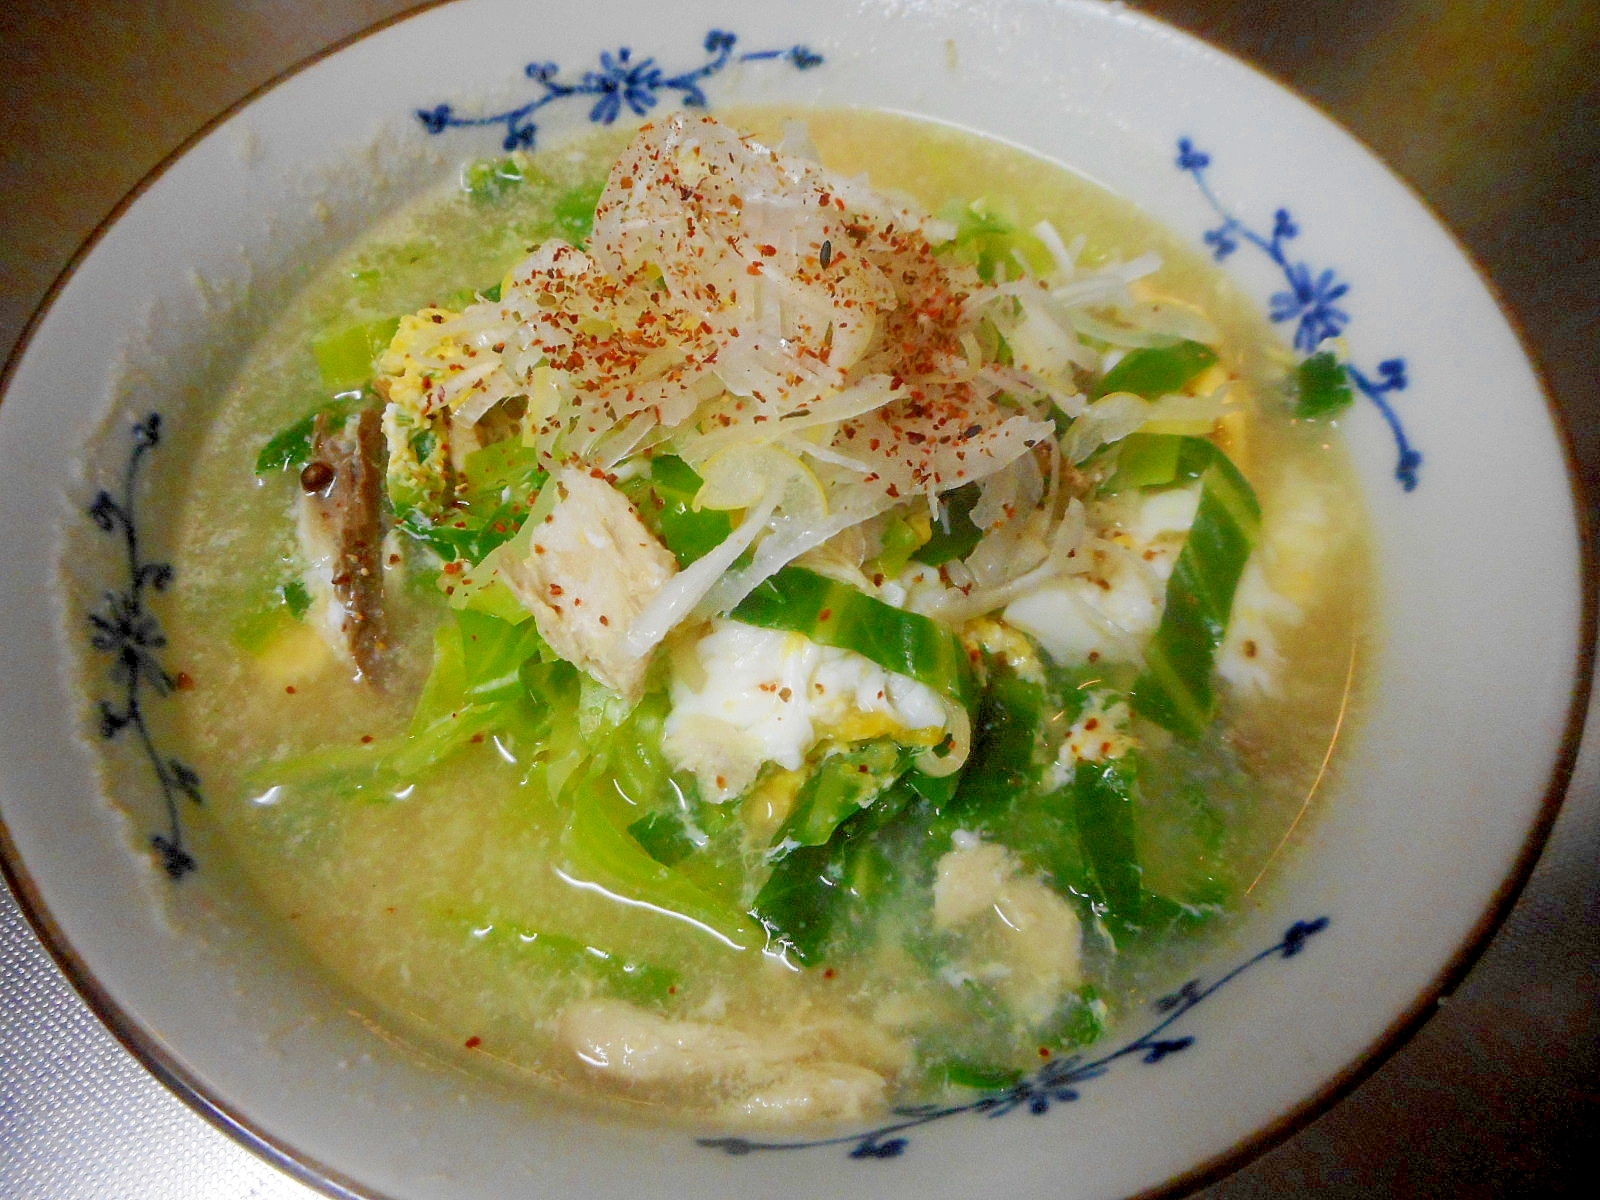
792 649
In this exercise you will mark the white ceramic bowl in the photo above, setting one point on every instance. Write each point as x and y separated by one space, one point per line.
1477 690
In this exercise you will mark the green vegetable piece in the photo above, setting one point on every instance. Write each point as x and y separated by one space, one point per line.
987 239
1156 371
295 598
1005 759
665 502
345 356
841 786
1175 689
494 490
558 955
601 855
954 534
550 685
493 653
1079 1022
1323 387
289 447
836 614
663 838
1156 460
574 211
901 540
978 1076
491 179
1102 797
811 892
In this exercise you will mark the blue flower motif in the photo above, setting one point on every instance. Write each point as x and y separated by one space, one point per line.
622 81
1311 300
1190 159
1221 241
1393 371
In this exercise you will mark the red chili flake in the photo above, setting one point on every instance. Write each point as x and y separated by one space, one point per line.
1044 1051
290 689
829 973
366 739
604 620
452 568
476 739
556 589
1250 648
825 614
1092 723
474 1042
183 681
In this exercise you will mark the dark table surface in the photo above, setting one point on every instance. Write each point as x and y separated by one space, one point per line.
1490 110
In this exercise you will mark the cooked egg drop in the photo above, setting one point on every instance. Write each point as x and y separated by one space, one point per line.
751 696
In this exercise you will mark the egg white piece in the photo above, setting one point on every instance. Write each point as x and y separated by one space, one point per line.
1110 611
753 696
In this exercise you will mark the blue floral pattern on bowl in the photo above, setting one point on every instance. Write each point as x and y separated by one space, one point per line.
125 629
621 82
1311 302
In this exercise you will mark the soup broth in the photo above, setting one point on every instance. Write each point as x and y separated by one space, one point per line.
486 896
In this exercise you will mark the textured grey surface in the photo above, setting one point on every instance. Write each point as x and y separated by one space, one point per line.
81 1119
1492 111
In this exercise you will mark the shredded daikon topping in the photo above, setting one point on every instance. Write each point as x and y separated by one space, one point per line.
795 337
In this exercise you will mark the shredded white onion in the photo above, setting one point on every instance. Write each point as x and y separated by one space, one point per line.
679 596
